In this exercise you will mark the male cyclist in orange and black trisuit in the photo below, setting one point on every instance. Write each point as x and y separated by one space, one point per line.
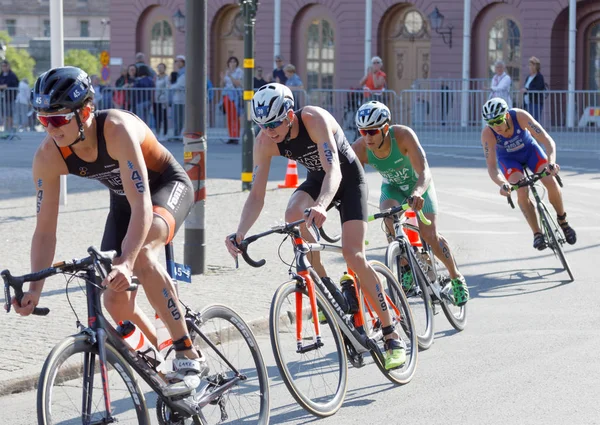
150 197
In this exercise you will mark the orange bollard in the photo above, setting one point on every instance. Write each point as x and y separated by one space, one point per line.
291 176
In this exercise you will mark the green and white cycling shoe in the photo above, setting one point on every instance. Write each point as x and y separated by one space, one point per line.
460 291
395 353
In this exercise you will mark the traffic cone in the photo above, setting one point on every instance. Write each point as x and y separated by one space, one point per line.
413 236
291 176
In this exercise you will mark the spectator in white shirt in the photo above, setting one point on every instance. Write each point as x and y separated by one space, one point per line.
501 84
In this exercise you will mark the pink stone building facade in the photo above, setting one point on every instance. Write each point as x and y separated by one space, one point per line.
324 39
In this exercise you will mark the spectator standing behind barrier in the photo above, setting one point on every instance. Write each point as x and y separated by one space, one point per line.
22 104
161 101
501 84
140 63
278 72
99 91
119 95
375 79
534 102
8 80
259 80
231 81
128 98
294 83
144 85
178 89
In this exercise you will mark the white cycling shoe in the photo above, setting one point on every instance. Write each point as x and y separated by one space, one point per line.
186 375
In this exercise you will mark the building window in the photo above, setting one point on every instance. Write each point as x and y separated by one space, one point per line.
84 29
504 43
593 82
162 45
11 27
46 28
320 57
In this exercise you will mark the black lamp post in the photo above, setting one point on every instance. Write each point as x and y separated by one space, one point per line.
179 20
436 19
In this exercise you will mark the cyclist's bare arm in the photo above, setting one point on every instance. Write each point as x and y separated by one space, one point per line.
409 145
264 150
124 134
48 165
537 131
488 141
320 124
360 149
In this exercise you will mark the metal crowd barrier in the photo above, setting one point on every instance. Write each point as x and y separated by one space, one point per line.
438 116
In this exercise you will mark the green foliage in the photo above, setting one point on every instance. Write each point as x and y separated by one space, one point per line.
21 63
83 59
5 38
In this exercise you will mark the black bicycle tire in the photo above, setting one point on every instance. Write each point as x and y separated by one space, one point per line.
392 254
65 349
314 408
223 312
412 359
551 227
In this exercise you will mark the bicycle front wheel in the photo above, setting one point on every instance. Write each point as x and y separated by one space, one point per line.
418 295
555 239
316 377
62 399
248 400
404 325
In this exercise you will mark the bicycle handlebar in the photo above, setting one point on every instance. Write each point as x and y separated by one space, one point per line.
400 208
530 181
284 229
95 258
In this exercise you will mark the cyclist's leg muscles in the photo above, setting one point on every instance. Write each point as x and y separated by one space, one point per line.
122 305
389 198
513 172
303 198
538 160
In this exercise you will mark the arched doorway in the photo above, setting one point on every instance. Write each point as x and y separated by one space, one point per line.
592 80
228 36
504 43
405 43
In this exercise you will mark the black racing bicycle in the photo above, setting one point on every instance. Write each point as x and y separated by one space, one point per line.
428 286
88 378
552 232
312 336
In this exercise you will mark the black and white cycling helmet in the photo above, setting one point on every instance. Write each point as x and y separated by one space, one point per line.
271 103
372 114
66 87
494 108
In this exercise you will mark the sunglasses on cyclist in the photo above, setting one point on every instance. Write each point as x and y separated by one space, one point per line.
56 120
370 132
497 121
271 125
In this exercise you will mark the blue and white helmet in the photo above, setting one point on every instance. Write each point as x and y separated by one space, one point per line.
372 114
494 108
271 103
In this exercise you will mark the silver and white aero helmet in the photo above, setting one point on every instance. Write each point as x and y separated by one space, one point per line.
372 114
494 108
271 102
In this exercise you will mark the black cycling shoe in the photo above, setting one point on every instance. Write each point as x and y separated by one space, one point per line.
539 242
569 232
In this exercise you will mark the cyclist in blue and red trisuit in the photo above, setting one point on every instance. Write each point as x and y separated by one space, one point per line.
150 197
510 140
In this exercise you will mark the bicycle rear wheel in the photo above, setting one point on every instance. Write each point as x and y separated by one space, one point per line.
418 296
317 378
248 400
60 394
553 235
404 325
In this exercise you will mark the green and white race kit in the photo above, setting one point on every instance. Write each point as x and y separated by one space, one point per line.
400 178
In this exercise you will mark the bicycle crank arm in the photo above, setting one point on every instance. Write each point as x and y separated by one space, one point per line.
204 398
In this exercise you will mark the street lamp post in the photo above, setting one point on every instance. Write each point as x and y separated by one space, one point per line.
249 12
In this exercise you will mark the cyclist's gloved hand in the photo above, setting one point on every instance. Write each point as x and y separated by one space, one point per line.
232 241
505 189
119 278
29 301
318 215
553 169
416 202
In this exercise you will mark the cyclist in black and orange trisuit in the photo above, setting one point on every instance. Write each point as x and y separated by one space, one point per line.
146 183
313 137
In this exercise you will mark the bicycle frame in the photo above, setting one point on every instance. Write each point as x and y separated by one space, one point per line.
350 327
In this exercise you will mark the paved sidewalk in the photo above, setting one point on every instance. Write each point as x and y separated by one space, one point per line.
27 341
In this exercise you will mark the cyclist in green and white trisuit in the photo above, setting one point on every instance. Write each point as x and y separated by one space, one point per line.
395 152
